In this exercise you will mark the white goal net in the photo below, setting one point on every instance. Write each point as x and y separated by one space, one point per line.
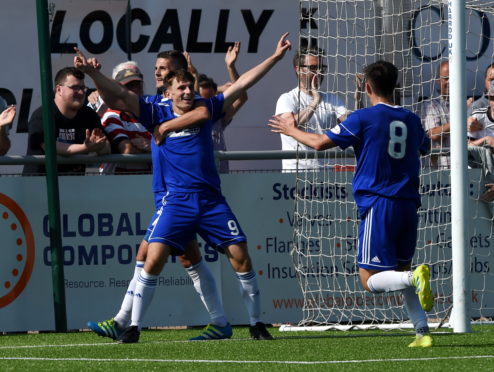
413 35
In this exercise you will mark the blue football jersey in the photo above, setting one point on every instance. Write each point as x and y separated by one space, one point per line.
156 98
187 156
387 141
153 111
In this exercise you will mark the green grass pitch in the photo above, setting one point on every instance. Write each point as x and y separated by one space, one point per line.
169 350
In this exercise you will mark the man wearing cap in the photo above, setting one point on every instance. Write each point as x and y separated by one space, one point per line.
78 129
126 134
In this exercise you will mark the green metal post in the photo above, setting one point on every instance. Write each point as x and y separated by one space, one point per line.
51 167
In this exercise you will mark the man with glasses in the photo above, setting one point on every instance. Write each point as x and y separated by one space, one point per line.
78 129
316 111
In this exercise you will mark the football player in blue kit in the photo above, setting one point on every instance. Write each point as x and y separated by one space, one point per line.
193 202
202 278
388 141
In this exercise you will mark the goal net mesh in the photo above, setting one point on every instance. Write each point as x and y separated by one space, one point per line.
413 35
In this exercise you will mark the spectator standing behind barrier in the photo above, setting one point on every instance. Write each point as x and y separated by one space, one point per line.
319 111
7 115
434 114
481 123
126 134
78 129
484 100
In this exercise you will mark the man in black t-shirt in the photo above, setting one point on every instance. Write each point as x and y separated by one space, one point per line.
78 129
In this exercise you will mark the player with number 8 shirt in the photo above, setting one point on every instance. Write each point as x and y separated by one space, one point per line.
387 141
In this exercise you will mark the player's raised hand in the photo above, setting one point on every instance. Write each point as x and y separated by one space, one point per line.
190 66
283 123
283 45
232 54
85 64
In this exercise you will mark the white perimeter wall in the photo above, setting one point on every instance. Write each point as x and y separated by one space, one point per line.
103 225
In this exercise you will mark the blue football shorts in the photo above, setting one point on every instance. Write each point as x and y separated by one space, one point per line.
388 234
183 215
158 202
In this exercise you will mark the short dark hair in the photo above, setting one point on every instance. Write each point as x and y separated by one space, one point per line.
298 58
62 74
179 75
206 82
382 76
176 58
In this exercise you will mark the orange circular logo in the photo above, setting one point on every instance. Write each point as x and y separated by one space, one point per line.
18 260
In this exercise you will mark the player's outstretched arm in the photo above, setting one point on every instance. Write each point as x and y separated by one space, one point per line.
251 77
115 95
286 124
191 68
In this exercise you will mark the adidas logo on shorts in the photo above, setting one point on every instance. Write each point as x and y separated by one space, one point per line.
376 259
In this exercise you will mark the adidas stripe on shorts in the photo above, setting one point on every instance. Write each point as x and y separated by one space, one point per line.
388 234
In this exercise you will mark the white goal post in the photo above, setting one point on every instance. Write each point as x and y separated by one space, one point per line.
455 228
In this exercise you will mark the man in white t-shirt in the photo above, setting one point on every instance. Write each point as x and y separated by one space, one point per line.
317 111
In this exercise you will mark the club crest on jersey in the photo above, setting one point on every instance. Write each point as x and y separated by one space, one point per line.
336 130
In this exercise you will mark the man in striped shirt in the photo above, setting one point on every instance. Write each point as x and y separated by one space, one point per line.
126 134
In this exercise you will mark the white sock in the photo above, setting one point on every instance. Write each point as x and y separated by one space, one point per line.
205 285
415 312
250 293
143 294
389 280
123 316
